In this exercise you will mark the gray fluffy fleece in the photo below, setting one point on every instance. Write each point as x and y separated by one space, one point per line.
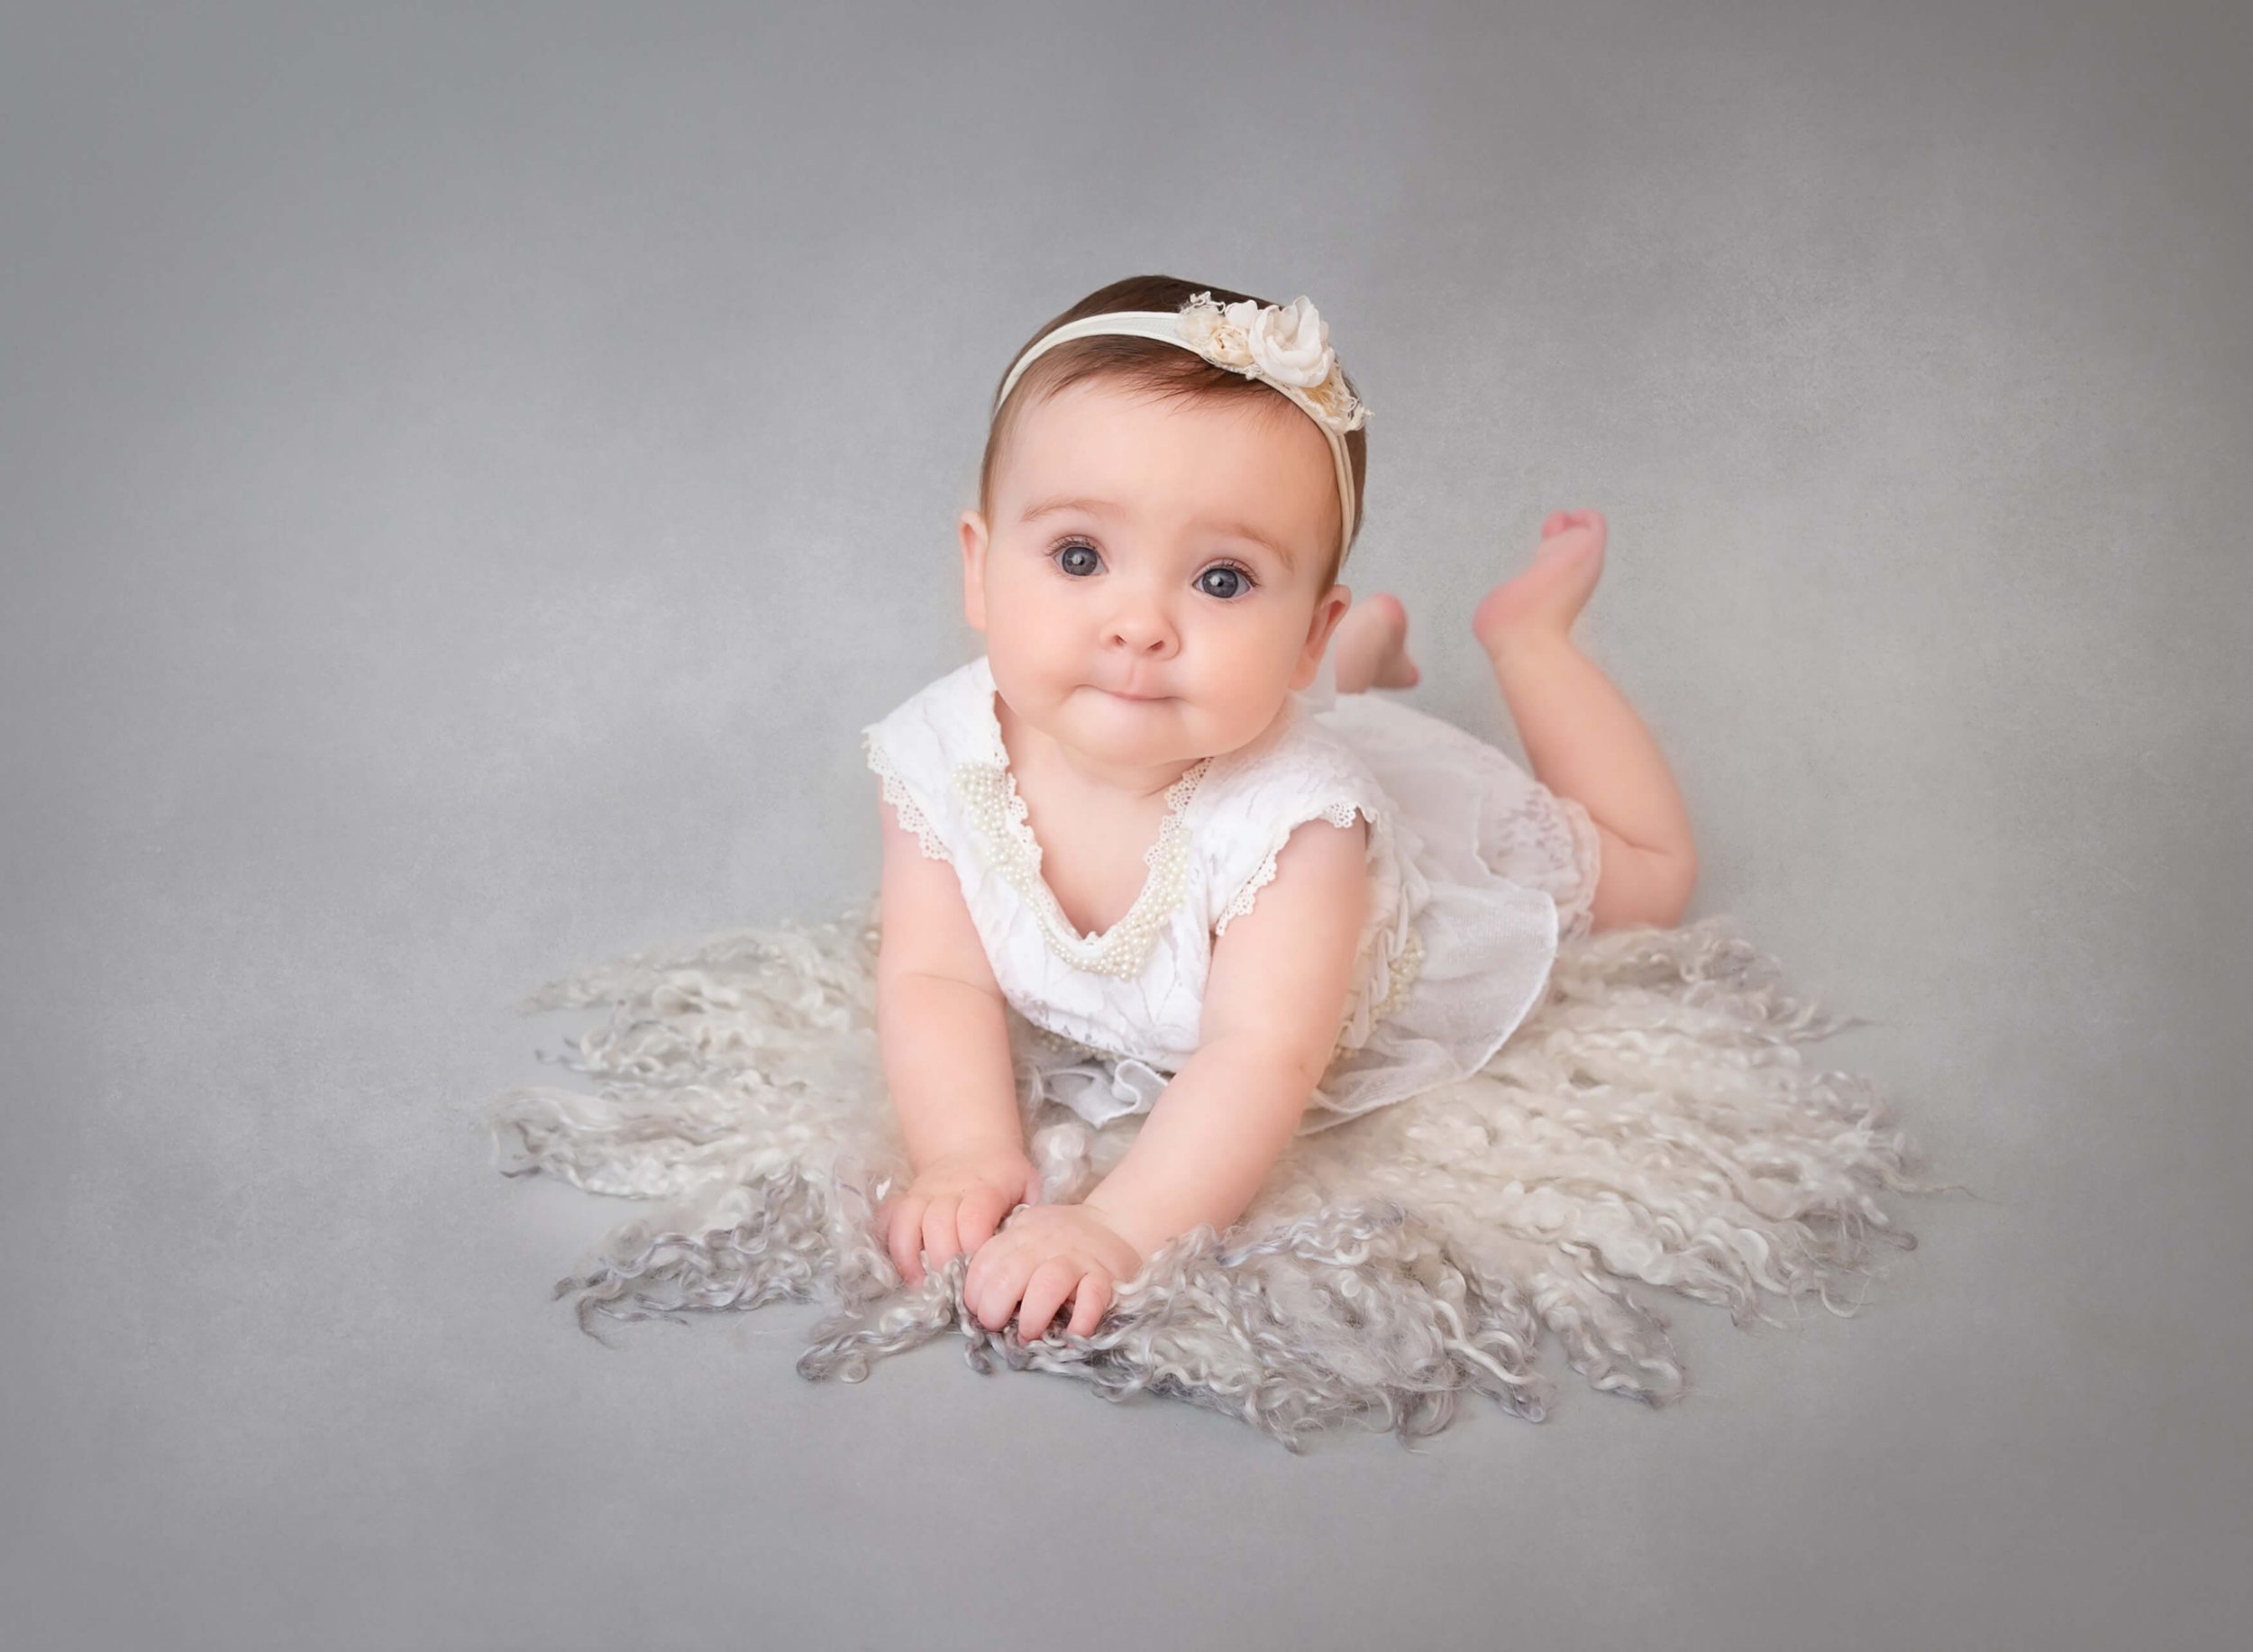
1652 1120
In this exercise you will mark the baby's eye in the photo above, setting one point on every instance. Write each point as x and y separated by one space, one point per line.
1226 580
1235 580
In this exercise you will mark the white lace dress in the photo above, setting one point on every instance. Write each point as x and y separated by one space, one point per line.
1476 870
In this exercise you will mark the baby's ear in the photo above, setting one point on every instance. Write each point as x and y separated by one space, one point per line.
973 534
1329 610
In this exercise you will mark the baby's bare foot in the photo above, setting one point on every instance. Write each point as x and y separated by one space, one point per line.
1372 645
1540 603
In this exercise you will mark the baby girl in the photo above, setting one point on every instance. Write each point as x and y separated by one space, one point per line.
1094 862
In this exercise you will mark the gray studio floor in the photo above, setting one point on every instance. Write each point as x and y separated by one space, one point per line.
469 474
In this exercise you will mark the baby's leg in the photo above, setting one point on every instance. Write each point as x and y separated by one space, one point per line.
1582 738
1369 649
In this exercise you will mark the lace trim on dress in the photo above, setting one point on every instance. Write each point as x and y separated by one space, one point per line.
1576 911
911 815
998 813
1340 815
1549 841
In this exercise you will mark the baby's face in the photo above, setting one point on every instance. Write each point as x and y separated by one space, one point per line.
1151 584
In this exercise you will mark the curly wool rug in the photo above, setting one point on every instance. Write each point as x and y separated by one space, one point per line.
1653 1120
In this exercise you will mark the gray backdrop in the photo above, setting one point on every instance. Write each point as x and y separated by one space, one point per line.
470 472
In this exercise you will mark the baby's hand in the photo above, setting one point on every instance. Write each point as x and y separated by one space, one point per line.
1043 1254
954 1206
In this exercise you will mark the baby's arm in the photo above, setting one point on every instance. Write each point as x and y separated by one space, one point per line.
939 1021
1273 1003
945 1042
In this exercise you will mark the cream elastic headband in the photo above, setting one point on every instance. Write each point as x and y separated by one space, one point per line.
1286 345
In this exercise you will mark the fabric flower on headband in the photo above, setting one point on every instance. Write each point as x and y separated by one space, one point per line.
1288 344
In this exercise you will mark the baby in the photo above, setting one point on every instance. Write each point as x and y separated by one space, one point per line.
1075 824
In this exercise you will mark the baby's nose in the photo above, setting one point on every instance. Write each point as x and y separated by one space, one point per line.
1141 631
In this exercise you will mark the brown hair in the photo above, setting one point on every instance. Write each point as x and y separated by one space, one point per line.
1150 366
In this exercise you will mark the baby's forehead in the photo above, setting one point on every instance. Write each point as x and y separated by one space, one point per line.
1106 437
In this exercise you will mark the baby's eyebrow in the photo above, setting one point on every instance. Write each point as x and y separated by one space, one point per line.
1104 507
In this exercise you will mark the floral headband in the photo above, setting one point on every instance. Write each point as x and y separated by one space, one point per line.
1286 345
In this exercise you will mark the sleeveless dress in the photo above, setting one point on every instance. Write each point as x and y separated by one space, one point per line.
1476 871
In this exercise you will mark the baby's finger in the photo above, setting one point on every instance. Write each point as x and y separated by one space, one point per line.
978 1215
940 1242
1004 1284
903 1237
1044 1293
1090 1299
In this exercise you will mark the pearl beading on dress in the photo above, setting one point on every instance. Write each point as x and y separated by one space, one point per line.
1405 968
989 792
1049 1038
